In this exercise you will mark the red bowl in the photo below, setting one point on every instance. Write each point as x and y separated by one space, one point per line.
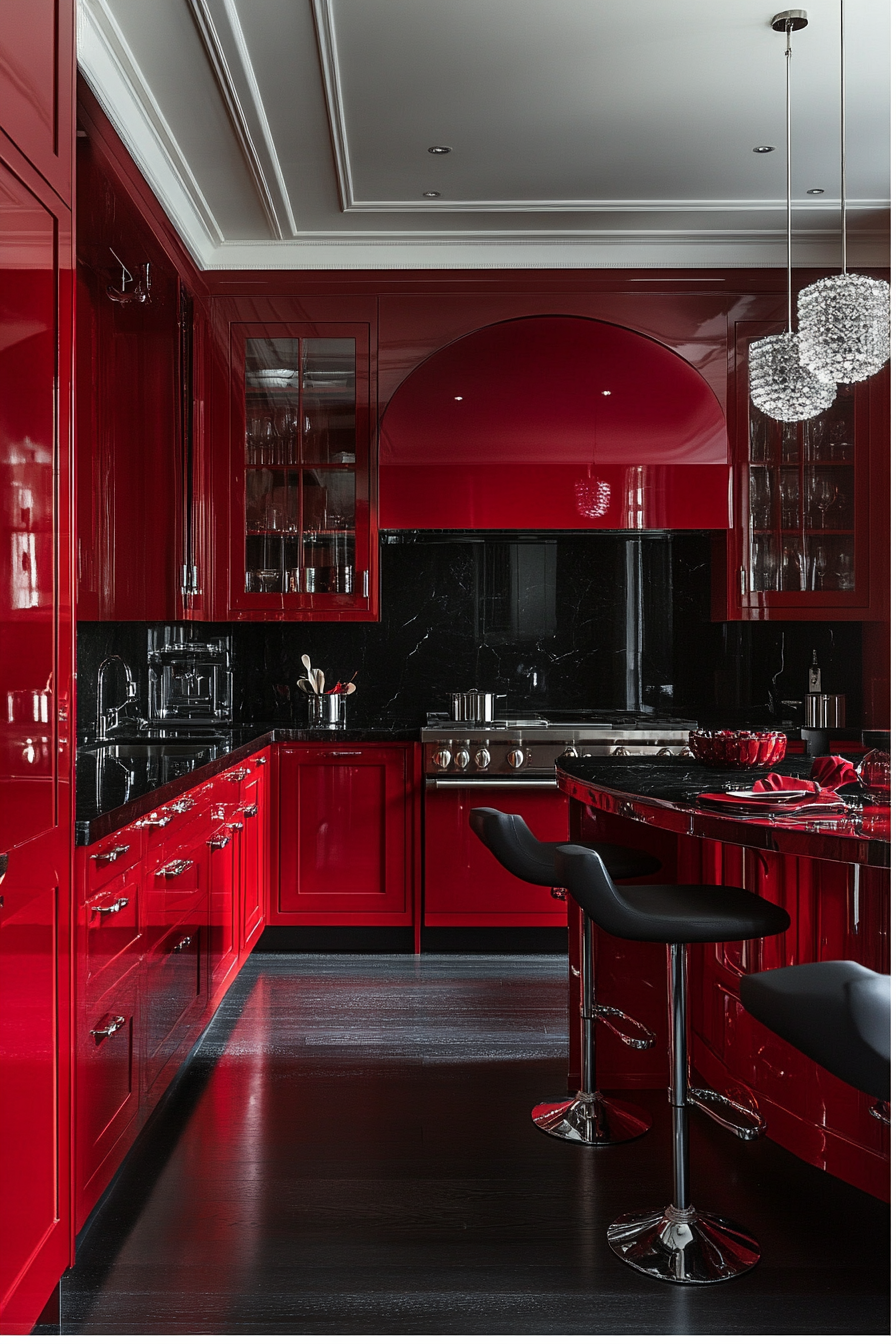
742 750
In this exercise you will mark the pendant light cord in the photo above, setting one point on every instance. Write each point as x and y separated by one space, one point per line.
842 137
787 54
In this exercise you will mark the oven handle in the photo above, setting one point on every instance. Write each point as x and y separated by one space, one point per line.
491 783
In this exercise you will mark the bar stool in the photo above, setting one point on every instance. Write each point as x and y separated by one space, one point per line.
588 1117
837 1013
679 1243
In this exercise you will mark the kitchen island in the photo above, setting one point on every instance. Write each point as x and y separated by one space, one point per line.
830 874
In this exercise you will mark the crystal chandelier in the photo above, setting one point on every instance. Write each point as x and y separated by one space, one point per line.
780 385
844 320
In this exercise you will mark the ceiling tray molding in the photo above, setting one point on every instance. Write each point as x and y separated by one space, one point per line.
222 36
108 65
325 29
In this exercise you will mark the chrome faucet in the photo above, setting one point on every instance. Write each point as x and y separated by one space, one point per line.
108 717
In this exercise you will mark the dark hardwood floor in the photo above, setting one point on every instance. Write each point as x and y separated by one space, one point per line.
350 1152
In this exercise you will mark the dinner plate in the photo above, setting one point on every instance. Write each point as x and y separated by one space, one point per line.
753 794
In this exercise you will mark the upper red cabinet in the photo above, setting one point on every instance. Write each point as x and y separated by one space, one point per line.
809 540
296 514
36 85
554 422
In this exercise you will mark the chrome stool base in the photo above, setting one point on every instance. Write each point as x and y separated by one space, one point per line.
591 1119
683 1245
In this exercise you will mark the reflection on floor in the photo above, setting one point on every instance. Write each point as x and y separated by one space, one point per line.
350 1152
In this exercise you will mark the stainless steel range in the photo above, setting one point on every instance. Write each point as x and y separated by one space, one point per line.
524 749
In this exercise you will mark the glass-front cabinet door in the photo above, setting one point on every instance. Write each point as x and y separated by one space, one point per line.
301 484
804 542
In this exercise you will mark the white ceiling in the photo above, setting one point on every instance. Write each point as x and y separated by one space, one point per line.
294 133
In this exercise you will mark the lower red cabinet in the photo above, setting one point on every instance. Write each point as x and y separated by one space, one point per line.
169 908
346 823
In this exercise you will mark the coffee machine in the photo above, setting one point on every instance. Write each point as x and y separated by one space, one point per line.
821 712
190 679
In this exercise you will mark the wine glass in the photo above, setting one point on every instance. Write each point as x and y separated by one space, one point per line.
824 493
819 566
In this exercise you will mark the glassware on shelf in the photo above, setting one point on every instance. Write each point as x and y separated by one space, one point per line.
790 500
759 438
764 574
844 568
820 579
793 566
790 441
760 497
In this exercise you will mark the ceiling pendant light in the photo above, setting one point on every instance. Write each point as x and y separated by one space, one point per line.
844 319
780 385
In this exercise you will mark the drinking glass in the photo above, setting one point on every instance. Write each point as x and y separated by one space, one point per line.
819 566
793 567
760 498
844 571
790 499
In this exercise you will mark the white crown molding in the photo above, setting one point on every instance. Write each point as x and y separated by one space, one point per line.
221 32
762 249
325 30
543 205
108 65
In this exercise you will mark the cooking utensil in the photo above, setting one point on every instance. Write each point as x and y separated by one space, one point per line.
306 663
305 685
475 706
318 676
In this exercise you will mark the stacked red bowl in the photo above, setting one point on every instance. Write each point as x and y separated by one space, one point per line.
743 750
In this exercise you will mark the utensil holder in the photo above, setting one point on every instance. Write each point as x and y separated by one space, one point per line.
326 711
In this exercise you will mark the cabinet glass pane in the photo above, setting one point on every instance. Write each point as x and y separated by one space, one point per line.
801 502
272 490
329 451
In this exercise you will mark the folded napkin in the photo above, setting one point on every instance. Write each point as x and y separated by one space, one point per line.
828 774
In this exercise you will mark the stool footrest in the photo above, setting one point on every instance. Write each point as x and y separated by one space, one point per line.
705 1099
603 1013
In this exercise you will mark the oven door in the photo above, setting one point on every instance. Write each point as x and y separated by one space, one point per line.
464 885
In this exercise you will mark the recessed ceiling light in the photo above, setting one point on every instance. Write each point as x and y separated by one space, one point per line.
606 394
458 398
432 193
439 149
763 149
815 191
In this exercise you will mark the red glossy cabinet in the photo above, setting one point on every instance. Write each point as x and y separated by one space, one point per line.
346 835
295 517
168 909
811 532
36 655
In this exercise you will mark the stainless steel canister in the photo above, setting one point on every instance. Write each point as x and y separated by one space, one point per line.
825 711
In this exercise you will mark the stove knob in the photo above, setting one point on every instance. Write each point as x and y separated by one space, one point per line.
516 759
442 758
482 759
570 751
462 759
621 751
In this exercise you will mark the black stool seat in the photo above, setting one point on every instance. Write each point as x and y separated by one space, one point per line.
667 914
836 1012
513 845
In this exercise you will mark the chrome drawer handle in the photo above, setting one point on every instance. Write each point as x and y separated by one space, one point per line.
110 855
111 909
344 753
235 826
250 810
236 775
260 760
219 842
183 805
183 944
176 868
146 822
116 1024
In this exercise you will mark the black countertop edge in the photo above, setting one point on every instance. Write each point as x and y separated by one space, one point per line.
669 789
93 824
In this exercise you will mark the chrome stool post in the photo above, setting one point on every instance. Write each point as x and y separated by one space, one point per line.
590 1117
679 1243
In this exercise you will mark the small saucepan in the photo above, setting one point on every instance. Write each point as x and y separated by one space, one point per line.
474 706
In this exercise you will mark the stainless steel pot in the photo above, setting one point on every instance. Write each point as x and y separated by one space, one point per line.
474 706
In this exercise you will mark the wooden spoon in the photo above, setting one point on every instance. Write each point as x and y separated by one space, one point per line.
318 676
306 663
305 685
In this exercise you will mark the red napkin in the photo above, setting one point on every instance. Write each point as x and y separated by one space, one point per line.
832 772
828 774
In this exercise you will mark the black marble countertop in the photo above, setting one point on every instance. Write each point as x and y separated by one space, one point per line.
117 782
664 792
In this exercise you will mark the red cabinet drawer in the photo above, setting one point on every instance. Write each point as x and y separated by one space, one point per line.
108 1095
112 931
173 994
112 856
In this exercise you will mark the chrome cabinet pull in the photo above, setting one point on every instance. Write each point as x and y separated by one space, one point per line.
183 805
234 826
218 842
145 823
260 760
111 909
344 753
250 810
183 944
236 775
176 868
115 1024
110 855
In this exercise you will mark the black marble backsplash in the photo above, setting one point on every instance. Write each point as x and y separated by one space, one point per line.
565 622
